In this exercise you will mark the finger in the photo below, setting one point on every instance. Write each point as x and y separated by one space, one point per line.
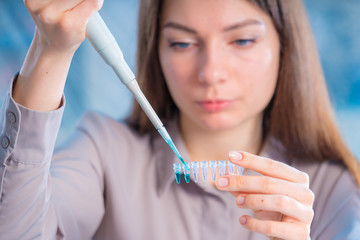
78 9
61 6
266 185
268 167
276 203
236 193
72 20
35 5
53 12
271 216
281 230
86 9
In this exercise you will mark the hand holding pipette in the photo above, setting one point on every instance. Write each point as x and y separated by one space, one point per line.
60 29
105 44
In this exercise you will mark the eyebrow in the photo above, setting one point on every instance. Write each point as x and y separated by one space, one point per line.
237 25
242 24
179 26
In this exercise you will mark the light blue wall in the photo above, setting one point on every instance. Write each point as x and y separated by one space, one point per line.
92 85
337 31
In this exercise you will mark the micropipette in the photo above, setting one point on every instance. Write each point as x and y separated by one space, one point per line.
105 44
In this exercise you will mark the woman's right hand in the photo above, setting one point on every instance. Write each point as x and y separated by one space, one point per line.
61 24
60 29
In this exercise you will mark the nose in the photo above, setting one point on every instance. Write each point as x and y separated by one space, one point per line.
212 65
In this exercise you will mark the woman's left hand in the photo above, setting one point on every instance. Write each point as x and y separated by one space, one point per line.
281 199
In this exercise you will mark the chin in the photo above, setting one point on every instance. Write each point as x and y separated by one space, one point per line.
217 123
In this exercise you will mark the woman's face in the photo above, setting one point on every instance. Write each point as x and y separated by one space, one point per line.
220 60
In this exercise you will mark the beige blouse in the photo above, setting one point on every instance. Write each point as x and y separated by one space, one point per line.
108 182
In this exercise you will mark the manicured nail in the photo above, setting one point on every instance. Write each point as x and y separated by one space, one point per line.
236 156
243 220
223 182
240 200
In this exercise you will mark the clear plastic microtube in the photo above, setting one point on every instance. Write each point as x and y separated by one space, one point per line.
231 168
177 170
222 167
204 169
213 166
195 169
187 172
239 170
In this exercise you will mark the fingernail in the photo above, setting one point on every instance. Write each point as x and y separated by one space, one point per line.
236 156
243 220
222 182
240 200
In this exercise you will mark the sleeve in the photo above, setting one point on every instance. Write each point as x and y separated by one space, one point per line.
341 217
44 196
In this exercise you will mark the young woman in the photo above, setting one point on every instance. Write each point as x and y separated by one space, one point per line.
231 79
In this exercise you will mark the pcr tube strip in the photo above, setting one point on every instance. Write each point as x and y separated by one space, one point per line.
223 167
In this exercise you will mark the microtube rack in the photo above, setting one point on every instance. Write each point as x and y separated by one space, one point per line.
221 166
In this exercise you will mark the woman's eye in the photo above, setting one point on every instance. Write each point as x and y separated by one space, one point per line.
180 45
244 42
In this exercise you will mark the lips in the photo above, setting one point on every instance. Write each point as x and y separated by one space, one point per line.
214 105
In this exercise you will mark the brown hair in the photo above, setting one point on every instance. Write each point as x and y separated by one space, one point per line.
299 115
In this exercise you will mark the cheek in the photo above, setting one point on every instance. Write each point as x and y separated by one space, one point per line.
177 72
258 78
173 77
264 68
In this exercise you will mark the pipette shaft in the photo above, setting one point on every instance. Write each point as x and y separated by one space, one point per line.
105 44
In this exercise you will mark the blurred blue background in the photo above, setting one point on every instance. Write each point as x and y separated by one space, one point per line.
92 85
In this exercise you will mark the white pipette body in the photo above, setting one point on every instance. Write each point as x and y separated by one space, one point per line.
105 44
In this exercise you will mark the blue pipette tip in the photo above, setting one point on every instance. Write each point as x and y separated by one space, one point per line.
186 166
173 147
169 141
